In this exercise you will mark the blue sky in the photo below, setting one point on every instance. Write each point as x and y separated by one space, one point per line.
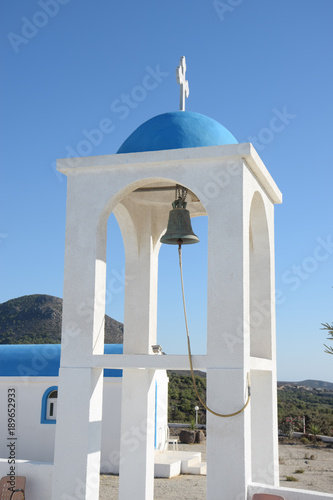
68 64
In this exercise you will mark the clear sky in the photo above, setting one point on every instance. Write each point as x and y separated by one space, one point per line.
67 65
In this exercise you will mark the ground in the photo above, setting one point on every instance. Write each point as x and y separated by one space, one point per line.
317 463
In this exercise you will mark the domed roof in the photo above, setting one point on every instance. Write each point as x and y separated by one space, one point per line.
175 130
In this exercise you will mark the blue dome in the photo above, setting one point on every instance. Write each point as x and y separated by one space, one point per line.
175 130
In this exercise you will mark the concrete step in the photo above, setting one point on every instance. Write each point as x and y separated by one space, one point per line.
167 469
172 463
199 468
192 460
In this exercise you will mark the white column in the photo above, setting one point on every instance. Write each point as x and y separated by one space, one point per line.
136 466
78 434
228 439
79 412
138 390
264 429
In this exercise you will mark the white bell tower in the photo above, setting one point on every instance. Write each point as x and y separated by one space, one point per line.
239 202
228 183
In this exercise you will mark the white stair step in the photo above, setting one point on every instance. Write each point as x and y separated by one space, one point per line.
199 468
167 469
193 460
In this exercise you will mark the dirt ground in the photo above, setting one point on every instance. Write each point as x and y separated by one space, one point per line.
312 467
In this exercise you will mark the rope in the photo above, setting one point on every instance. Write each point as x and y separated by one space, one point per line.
190 354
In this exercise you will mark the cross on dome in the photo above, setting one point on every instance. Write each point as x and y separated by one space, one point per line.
184 88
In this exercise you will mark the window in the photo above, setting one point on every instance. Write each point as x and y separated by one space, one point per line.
49 406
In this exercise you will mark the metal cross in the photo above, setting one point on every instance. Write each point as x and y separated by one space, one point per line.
184 88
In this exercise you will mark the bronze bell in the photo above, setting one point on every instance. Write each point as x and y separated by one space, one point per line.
179 230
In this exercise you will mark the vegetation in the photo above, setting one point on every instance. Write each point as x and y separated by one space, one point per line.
314 429
310 399
329 328
182 397
316 405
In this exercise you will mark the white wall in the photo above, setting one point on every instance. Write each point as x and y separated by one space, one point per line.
35 441
38 478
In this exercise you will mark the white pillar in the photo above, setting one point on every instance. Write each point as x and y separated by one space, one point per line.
79 413
138 390
265 457
228 439
136 466
78 434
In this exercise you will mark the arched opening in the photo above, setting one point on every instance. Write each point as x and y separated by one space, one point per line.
133 255
262 380
143 213
260 281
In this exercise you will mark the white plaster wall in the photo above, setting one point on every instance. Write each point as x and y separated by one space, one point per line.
35 441
38 478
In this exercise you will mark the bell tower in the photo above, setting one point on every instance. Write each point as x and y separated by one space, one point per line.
228 183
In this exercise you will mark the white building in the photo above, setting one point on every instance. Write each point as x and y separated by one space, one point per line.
32 371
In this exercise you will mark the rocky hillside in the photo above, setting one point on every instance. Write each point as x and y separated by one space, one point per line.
308 384
36 319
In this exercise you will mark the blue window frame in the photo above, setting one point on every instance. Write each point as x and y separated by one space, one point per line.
49 405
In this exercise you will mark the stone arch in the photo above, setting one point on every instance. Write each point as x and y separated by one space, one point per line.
260 281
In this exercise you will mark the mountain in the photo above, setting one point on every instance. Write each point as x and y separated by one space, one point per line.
36 319
307 384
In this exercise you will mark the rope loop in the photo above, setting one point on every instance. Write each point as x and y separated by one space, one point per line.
190 354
